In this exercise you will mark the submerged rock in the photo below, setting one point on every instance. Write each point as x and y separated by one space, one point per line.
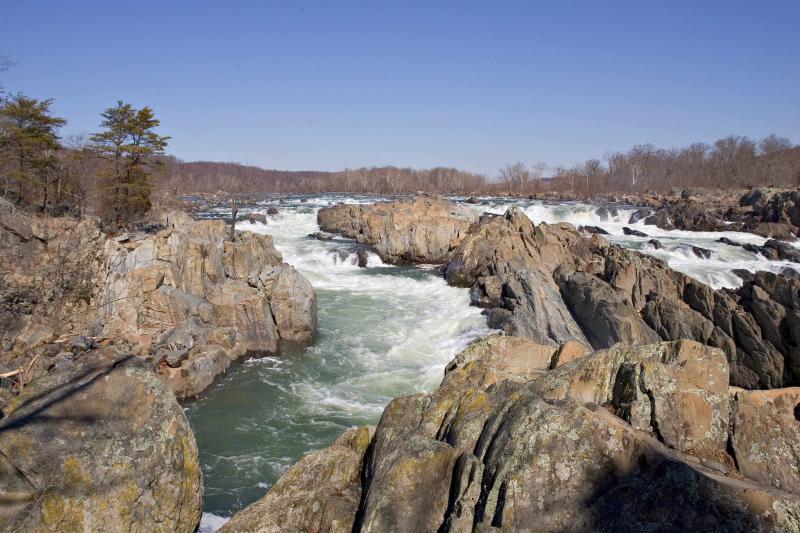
102 446
635 232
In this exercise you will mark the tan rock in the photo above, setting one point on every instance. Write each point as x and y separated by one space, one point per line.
766 436
567 352
422 229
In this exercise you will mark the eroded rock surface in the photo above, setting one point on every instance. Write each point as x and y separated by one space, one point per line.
101 446
504 443
319 493
422 229
552 284
189 290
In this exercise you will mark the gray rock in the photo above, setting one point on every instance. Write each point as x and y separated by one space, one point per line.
635 232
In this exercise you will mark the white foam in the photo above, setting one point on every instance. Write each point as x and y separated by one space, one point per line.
209 523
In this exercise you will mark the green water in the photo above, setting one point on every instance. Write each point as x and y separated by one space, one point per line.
382 332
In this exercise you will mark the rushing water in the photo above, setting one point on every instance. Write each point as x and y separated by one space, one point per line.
383 331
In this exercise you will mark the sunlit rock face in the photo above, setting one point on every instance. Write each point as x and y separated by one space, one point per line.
197 301
618 439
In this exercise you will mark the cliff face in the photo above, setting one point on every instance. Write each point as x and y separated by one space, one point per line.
100 335
618 440
196 302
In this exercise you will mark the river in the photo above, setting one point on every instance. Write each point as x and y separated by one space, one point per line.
384 331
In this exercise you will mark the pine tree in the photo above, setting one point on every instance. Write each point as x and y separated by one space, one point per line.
28 146
128 145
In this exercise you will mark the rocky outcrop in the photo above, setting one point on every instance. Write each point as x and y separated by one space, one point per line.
321 492
101 446
422 229
550 284
627 439
188 295
773 212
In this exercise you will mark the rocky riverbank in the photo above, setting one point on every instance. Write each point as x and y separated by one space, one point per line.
550 283
101 336
616 400
623 439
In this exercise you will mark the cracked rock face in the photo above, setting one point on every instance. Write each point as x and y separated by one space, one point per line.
626 439
424 229
76 454
189 289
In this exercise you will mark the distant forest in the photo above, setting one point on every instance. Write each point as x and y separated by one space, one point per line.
733 161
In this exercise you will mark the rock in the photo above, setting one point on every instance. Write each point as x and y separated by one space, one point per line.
321 236
102 446
502 358
676 390
177 289
323 489
15 222
363 257
294 306
702 253
256 217
783 250
196 371
592 229
473 200
603 315
422 229
745 275
602 213
771 230
639 214
766 436
687 216
655 243
272 211
789 272
494 448
634 232
568 352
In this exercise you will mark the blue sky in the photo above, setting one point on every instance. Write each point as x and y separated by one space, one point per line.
324 85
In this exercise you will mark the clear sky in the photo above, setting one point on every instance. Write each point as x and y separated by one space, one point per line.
324 85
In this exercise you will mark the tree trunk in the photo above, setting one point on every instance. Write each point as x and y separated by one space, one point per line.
234 212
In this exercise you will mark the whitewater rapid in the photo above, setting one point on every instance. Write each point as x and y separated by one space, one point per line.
716 271
383 332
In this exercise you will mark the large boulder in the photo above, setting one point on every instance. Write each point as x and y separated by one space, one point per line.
421 229
102 446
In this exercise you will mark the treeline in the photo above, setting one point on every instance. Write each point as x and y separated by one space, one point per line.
731 162
734 161
209 177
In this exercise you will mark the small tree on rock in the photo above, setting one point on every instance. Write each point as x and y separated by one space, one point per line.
128 145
